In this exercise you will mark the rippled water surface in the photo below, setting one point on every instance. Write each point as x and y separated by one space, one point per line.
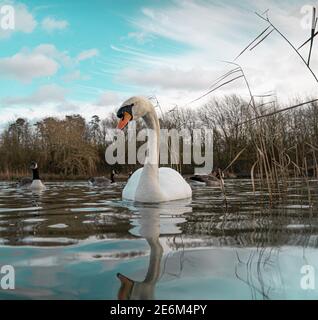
72 241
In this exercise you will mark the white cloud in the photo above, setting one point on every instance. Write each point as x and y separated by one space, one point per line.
140 37
57 109
51 24
88 54
214 32
24 21
42 61
51 51
43 95
26 66
108 98
73 76
168 78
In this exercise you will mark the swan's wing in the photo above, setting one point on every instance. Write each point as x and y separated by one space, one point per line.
129 191
173 185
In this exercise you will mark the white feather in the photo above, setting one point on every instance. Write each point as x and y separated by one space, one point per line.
37 185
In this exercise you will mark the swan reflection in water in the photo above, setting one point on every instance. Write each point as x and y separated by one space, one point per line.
150 225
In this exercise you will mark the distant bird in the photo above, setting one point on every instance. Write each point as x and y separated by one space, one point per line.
24 183
34 184
210 180
102 181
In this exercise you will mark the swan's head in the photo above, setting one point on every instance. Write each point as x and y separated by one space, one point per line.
133 109
34 165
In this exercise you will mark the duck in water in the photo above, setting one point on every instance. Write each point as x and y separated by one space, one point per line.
103 181
214 179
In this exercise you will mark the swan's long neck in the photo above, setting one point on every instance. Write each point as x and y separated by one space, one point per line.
156 252
148 188
153 127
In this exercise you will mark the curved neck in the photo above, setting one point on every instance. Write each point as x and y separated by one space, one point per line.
156 252
148 189
153 127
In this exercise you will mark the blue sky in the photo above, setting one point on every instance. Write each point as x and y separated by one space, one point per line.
88 56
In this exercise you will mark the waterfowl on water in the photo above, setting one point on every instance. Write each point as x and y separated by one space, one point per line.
34 184
24 183
211 180
150 184
102 181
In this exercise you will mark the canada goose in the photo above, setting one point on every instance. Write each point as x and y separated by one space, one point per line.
24 183
35 183
208 180
214 179
150 184
102 181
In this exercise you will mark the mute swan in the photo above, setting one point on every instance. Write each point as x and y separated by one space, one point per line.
150 184
34 184
102 181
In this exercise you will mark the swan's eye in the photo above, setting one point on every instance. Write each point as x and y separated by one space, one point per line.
125 109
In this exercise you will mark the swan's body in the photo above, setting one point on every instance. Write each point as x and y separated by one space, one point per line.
171 187
34 184
151 184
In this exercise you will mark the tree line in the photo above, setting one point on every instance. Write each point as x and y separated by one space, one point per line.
283 144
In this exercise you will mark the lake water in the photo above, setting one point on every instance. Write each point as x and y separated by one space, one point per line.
71 241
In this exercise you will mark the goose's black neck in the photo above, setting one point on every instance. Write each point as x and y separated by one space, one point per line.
112 177
36 175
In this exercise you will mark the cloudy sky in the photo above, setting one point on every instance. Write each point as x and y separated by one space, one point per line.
87 57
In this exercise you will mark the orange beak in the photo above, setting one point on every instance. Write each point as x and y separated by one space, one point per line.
124 121
125 288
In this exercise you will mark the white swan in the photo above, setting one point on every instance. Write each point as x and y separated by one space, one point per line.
151 184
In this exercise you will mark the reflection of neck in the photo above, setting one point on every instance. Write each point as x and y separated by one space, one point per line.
145 290
156 252
36 175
